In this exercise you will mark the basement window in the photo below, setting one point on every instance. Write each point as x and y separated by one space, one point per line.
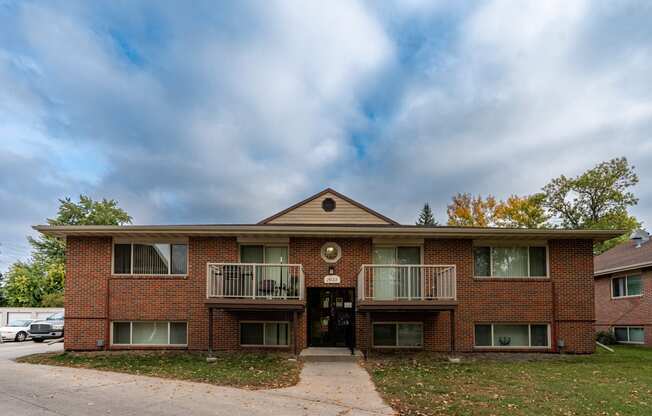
512 336
398 334
629 334
268 334
149 333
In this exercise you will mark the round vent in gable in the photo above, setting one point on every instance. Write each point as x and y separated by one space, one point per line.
328 204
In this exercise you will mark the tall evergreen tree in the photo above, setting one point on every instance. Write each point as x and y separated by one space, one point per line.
425 216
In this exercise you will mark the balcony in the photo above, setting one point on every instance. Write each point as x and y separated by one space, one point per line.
254 286
406 287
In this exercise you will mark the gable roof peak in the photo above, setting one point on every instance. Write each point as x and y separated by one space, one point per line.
299 212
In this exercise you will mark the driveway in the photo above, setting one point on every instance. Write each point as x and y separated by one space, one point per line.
27 389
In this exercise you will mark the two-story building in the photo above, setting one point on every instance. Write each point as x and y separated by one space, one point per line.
328 271
623 290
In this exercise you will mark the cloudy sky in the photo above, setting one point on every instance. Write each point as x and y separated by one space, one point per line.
229 112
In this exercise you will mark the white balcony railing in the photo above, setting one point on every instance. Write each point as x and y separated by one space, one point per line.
255 281
407 282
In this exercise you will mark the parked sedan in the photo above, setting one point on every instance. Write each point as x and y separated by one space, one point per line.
16 330
51 327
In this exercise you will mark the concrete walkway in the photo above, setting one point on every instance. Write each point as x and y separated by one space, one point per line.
325 389
344 384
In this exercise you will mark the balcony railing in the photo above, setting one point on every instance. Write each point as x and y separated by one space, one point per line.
406 282
255 281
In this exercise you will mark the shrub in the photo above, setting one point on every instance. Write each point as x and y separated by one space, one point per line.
52 300
605 337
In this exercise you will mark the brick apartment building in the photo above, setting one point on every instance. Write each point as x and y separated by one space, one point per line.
328 271
623 290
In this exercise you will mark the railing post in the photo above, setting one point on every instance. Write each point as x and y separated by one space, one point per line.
409 279
422 279
253 285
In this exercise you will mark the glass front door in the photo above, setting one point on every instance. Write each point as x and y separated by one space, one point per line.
331 316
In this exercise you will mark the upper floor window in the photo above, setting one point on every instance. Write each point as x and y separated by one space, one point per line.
397 255
150 258
510 261
264 254
626 286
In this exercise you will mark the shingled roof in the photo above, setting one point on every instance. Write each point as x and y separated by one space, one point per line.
625 256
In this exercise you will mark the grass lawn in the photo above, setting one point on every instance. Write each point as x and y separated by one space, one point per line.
247 370
601 384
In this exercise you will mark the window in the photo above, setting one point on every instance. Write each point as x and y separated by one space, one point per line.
331 252
512 336
149 333
629 334
516 261
626 286
264 254
398 334
144 258
265 333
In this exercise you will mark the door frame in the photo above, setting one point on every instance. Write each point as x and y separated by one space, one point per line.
310 291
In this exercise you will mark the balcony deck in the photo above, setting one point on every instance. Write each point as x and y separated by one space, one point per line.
407 287
255 287
402 305
258 304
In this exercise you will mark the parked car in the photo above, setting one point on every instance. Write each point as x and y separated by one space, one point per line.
16 330
49 328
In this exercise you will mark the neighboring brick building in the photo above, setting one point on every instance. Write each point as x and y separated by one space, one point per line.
328 271
623 290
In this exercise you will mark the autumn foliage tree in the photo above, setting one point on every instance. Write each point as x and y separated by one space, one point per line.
596 199
466 210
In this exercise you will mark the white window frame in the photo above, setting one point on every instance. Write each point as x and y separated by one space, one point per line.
626 276
492 245
290 334
507 347
131 270
131 331
264 246
613 330
396 323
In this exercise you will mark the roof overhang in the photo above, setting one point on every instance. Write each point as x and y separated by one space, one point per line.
636 266
383 231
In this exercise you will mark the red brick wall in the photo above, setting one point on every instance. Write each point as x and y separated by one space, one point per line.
491 300
634 311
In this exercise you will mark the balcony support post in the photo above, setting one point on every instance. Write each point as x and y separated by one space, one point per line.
452 331
369 335
210 331
295 334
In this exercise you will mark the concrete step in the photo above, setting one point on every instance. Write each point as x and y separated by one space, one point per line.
323 354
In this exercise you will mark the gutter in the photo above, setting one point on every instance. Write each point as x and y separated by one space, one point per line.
622 268
325 230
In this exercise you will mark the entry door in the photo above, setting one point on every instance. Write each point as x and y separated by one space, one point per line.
384 278
331 317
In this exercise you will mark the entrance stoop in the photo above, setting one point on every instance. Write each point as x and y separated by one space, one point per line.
327 354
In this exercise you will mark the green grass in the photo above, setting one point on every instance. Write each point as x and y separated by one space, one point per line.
600 384
251 370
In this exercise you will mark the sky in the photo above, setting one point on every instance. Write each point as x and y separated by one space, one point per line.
226 112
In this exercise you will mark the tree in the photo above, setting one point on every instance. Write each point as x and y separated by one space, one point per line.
597 199
522 212
425 216
40 281
468 211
